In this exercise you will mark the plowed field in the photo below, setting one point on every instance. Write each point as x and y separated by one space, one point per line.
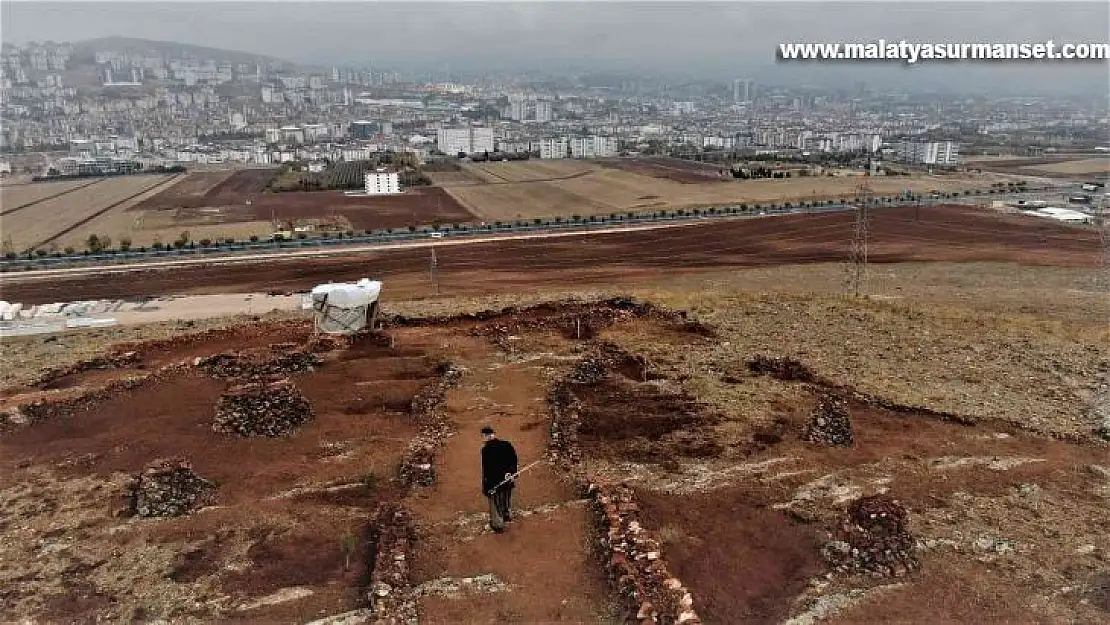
897 235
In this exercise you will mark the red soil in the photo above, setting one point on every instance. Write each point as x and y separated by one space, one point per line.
360 427
418 206
946 233
671 169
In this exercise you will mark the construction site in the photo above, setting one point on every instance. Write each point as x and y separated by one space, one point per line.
901 415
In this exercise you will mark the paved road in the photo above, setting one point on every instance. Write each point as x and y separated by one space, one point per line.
282 254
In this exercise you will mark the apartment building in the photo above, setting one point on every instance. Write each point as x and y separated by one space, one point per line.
553 148
471 140
382 182
593 147
945 153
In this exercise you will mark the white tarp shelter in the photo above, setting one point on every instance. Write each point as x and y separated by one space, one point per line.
345 307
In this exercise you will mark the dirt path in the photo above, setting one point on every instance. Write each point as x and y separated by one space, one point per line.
541 568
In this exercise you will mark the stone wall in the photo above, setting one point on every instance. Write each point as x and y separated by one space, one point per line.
390 592
646 591
426 409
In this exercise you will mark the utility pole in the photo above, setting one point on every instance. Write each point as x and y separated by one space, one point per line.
434 270
1103 225
857 268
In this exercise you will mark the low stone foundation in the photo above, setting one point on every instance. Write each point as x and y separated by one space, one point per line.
426 409
390 593
646 590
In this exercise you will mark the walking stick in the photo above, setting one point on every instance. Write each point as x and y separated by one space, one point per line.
512 477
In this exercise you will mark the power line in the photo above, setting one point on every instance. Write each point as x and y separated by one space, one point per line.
434 270
857 263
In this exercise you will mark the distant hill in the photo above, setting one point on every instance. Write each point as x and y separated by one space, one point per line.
86 49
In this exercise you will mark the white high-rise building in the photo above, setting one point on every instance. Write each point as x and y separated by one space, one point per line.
472 140
553 148
743 90
929 153
593 147
382 182
543 111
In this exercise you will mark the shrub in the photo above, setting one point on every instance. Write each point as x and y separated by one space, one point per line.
302 236
41 253
254 238
205 242
68 250
11 256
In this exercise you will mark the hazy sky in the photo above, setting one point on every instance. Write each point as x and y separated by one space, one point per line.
701 39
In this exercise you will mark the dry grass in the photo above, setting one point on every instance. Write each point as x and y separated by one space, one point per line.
40 222
14 195
525 190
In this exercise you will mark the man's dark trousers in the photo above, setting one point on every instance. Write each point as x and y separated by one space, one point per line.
498 461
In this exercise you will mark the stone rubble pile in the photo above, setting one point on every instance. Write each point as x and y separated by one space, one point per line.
566 420
45 409
830 422
169 487
390 594
572 318
321 343
258 364
418 462
266 408
648 592
874 538
783 369
588 371
111 361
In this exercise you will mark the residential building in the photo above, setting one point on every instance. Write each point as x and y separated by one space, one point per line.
743 90
382 182
543 111
593 147
470 140
928 152
553 148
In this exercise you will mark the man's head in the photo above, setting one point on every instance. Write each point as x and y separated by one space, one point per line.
488 433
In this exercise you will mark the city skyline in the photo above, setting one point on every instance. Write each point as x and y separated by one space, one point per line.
697 40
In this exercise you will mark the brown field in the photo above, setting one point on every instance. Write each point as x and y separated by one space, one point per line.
949 234
530 189
1004 514
18 196
1099 166
47 222
679 170
453 178
208 201
213 205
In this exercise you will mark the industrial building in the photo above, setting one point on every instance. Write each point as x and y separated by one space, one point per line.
382 182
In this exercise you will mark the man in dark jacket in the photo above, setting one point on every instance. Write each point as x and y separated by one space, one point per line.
499 463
